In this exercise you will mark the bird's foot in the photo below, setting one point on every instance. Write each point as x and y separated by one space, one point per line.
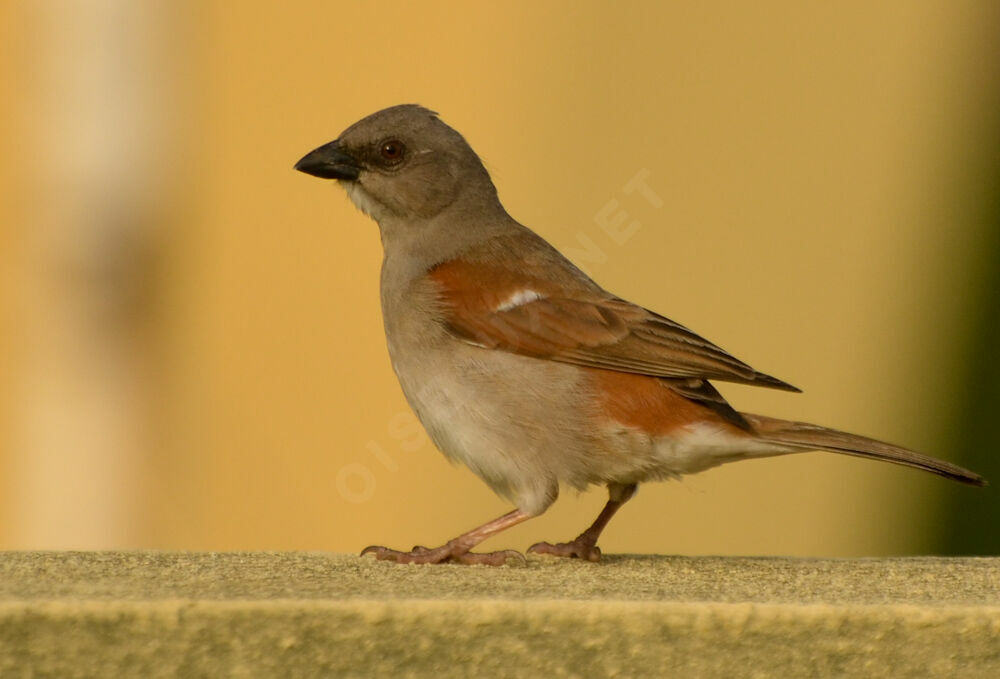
577 549
448 553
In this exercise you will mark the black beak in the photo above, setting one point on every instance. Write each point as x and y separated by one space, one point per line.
329 162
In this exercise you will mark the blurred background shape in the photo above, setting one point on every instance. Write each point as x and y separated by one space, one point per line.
970 521
193 354
93 171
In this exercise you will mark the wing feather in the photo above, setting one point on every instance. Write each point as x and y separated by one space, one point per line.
566 319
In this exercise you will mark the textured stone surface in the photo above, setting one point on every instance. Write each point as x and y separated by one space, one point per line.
159 614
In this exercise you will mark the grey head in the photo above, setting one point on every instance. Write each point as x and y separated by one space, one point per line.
403 163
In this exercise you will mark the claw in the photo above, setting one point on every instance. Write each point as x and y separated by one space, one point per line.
516 556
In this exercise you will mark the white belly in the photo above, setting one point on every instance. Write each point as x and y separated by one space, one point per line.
501 417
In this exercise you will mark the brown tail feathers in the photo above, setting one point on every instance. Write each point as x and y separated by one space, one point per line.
814 437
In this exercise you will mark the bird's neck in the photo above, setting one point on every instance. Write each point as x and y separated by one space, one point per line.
411 248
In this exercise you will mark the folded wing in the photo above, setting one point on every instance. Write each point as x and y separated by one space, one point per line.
564 319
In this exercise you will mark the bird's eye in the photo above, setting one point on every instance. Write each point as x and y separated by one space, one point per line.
392 151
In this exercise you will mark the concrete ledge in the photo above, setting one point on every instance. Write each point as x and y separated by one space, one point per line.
160 614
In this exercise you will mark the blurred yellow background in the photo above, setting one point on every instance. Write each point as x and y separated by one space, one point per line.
192 349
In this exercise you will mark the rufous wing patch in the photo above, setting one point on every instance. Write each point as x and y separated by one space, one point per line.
648 404
496 308
564 319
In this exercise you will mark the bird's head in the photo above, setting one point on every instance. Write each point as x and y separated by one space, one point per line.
401 162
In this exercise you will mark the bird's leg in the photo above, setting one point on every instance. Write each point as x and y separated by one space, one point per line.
457 550
585 544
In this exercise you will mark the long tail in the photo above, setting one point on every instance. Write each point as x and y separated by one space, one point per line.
814 437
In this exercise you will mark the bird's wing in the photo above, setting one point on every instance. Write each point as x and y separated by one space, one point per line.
569 319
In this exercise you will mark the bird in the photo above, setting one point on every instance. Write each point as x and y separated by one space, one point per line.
524 369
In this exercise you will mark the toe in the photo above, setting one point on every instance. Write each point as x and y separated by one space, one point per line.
449 553
501 558
417 556
541 548
572 550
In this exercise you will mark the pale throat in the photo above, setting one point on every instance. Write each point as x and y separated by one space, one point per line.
362 199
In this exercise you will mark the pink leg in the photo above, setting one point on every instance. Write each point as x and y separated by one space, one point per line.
585 544
457 550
